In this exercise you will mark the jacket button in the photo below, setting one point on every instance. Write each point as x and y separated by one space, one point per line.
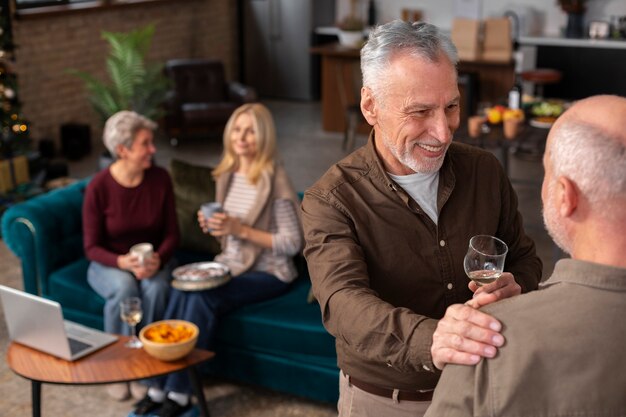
442 243
450 286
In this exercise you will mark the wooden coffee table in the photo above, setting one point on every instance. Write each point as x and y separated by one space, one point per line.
114 363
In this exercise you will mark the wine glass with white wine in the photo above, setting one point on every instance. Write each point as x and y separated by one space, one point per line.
484 260
131 313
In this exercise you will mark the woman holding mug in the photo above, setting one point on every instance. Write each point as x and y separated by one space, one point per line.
260 232
130 202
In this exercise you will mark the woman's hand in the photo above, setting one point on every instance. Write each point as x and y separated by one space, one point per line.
221 224
202 222
131 263
149 268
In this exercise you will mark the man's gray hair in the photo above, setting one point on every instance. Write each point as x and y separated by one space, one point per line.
418 38
591 157
121 128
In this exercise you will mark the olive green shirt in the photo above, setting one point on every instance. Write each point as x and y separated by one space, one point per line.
383 272
565 352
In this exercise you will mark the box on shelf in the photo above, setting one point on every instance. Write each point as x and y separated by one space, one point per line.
466 38
497 43
13 172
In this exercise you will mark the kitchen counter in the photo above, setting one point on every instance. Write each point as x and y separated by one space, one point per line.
576 43
589 66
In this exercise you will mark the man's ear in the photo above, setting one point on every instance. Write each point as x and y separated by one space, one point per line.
568 195
368 106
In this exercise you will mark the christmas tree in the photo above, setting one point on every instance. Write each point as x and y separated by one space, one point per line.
14 132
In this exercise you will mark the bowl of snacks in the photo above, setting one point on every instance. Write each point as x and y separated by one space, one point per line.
169 340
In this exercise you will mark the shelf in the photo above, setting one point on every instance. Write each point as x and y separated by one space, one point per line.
573 43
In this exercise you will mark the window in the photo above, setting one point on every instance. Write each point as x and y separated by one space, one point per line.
26 4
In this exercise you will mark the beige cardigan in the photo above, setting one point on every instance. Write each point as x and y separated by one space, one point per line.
271 187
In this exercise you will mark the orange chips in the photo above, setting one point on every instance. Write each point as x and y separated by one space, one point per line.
166 333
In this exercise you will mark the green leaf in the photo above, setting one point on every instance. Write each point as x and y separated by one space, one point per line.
133 84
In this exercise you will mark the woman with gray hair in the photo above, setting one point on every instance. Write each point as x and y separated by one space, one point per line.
130 202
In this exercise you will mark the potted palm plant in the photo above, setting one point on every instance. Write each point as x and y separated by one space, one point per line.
133 83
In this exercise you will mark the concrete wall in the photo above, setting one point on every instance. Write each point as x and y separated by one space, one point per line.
48 45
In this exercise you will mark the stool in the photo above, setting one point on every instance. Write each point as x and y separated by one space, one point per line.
541 77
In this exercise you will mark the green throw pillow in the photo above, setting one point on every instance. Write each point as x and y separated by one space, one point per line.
193 185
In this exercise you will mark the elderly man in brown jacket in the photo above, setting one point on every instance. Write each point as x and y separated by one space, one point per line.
387 227
566 343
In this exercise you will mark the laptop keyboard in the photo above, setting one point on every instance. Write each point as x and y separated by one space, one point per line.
77 346
73 330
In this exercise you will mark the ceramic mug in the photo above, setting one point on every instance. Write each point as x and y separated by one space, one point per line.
209 209
142 251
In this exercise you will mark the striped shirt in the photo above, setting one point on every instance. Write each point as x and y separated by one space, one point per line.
284 227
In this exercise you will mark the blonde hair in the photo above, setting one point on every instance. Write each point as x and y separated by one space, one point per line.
265 143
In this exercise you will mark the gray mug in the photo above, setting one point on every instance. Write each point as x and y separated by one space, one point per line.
209 209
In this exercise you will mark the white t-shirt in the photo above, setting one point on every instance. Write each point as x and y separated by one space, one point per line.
423 189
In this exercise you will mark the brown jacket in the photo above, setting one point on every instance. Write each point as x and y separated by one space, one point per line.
383 272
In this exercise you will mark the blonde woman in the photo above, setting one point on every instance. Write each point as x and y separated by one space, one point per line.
260 232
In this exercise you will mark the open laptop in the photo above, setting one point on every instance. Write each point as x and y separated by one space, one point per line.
38 323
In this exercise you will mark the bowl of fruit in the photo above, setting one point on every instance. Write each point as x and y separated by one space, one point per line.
545 113
497 114
169 340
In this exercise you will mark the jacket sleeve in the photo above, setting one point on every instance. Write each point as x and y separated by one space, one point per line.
93 228
287 240
351 310
454 394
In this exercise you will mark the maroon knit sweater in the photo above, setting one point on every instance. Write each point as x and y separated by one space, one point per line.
117 217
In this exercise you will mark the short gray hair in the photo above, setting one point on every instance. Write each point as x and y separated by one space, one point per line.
121 128
591 157
418 38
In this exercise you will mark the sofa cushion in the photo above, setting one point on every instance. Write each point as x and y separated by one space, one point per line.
286 324
68 285
193 185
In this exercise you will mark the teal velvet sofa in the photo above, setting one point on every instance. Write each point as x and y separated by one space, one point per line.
279 344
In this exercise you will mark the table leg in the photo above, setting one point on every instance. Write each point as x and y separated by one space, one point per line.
196 383
36 398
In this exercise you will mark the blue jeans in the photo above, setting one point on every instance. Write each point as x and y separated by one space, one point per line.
114 284
205 307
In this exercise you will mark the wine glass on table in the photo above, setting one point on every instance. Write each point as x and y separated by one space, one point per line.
131 313
484 260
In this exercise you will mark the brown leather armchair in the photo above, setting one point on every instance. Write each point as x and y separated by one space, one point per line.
201 100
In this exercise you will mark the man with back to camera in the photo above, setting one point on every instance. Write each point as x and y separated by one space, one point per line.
565 343
388 226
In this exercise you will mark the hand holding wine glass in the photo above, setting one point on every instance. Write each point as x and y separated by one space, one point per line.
131 313
484 261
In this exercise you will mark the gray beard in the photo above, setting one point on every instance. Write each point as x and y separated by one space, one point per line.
407 159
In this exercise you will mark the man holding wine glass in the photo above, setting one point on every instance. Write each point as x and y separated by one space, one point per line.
387 229
565 342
